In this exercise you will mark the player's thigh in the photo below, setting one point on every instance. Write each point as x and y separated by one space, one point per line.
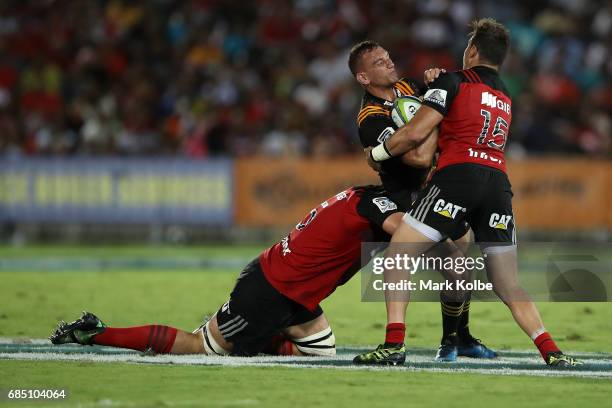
254 313
463 237
493 221
214 332
440 211
305 323
314 337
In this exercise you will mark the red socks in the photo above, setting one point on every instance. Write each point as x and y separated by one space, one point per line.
158 338
545 344
395 333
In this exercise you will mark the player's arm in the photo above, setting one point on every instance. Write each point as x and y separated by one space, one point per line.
375 129
422 156
392 222
409 136
379 210
436 103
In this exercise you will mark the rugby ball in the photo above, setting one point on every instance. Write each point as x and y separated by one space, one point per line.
404 109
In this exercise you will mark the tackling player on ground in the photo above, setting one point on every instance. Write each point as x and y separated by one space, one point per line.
404 176
473 110
274 307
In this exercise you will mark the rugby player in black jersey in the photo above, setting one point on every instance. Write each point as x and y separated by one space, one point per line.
472 110
404 176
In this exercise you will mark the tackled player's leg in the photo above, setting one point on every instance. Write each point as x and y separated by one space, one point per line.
243 326
259 319
154 338
311 338
393 351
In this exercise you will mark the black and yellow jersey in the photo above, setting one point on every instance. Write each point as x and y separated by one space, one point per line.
375 126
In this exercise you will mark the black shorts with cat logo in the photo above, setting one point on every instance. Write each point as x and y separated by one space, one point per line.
472 193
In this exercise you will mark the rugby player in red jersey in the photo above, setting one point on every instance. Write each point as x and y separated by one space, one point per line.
403 177
473 111
274 306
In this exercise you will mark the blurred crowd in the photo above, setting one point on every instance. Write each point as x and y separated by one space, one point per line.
202 78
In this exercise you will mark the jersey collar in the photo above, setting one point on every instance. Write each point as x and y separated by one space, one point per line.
482 68
382 101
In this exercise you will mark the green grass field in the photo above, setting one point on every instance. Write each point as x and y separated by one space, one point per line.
32 301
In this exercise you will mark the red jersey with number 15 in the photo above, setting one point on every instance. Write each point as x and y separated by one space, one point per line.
323 251
477 114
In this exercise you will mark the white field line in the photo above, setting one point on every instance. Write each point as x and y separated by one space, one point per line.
494 367
350 348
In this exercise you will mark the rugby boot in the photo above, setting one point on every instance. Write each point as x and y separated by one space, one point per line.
81 331
560 360
473 347
389 354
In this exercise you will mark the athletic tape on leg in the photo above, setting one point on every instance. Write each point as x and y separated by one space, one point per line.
322 343
210 345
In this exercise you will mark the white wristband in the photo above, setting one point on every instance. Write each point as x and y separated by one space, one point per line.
380 153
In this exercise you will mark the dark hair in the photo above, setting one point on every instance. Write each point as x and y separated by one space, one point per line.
357 52
491 39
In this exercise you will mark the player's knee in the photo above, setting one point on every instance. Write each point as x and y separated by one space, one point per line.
510 293
210 342
322 343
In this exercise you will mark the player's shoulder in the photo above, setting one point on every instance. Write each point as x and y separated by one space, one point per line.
410 86
374 199
370 190
372 109
452 77
468 75
443 87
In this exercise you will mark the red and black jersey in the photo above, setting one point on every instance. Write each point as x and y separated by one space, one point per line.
477 113
375 126
323 251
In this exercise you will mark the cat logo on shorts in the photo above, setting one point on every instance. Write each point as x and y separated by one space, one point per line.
499 221
448 210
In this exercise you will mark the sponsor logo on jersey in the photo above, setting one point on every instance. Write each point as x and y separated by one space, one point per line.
488 99
437 96
448 210
498 221
384 204
226 307
483 155
385 134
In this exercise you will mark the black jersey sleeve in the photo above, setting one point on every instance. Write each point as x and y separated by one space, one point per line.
375 129
442 92
375 205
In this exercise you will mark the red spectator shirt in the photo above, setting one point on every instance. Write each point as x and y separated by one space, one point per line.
477 114
323 251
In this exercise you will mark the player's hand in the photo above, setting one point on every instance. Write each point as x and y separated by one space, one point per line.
374 165
432 74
